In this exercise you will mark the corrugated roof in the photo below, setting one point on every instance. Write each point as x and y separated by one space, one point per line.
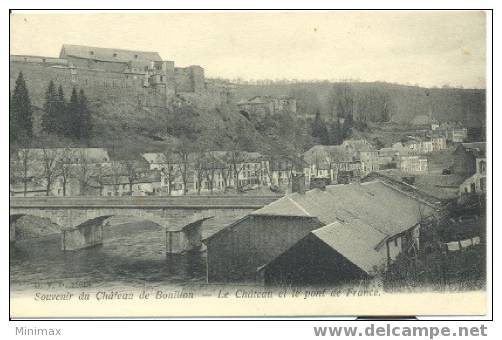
354 242
384 208
108 54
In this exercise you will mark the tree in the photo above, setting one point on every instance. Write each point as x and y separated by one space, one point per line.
50 117
132 173
85 117
335 132
169 168
319 129
183 150
60 113
236 160
66 171
348 123
50 167
83 172
72 117
22 112
20 169
13 126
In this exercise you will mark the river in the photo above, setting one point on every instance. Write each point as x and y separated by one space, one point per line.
132 255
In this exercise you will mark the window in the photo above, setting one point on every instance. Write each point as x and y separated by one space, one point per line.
135 56
91 52
43 60
114 55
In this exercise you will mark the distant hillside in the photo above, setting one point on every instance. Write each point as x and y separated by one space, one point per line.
406 102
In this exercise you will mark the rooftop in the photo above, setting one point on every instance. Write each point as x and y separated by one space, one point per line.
387 210
108 54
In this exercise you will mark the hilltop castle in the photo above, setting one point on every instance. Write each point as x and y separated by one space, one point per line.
107 74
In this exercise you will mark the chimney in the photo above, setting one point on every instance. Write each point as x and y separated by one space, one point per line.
298 183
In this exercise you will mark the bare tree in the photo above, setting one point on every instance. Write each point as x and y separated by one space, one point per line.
115 175
236 160
66 169
212 165
21 164
51 167
83 172
132 173
183 154
169 169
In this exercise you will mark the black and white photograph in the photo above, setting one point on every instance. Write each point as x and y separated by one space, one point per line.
248 163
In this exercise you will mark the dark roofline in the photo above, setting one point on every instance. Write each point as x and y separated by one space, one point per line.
235 223
425 197
109 48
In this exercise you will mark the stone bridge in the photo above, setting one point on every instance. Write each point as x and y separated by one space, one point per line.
82 218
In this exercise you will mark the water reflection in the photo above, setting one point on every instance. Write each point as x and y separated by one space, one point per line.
132 254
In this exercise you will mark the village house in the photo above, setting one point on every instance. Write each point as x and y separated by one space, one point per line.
438 143
411 163
121 185
333 162
464 157
212 171
63 165
477 182
420 147
365 152
282 169
267 105
388 158
350 231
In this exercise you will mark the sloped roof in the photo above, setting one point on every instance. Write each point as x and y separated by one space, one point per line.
323 153
384 208
154 157
477 148
107 54
354 241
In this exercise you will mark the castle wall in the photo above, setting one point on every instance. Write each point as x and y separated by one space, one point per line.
155 88
109 66
189 79
98 85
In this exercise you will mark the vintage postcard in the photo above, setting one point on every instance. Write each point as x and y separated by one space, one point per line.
249 163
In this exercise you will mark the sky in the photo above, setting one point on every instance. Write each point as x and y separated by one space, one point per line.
428 48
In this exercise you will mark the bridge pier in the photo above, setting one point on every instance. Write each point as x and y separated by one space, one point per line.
186 239
82 237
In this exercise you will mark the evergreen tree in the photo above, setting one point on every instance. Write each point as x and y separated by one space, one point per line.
85 117
50 118
21 111
60 113
72 119
319 129
335 133
13 128
348 123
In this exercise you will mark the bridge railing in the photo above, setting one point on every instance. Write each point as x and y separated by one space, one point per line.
195 201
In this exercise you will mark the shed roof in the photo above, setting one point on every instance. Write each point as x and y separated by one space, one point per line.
108 54
386 209
355 242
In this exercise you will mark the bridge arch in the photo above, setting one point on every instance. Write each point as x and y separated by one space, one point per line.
14 216
96 217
